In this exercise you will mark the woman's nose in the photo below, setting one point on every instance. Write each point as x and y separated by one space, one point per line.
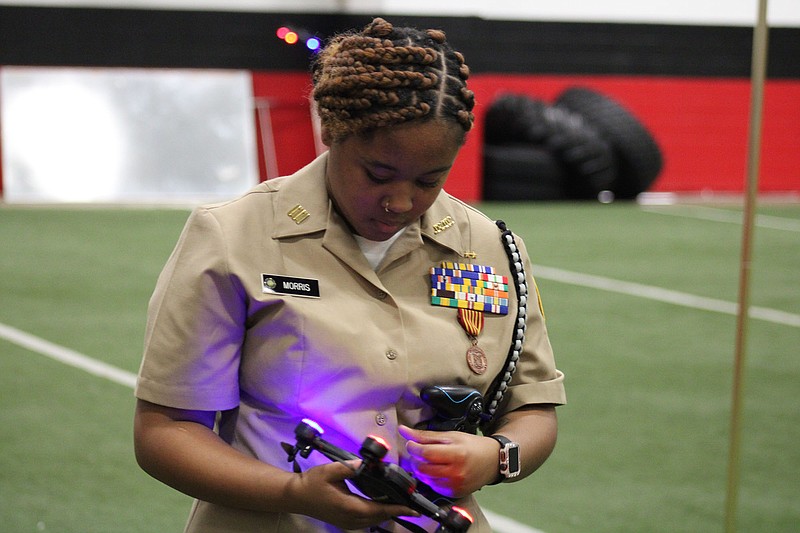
400 199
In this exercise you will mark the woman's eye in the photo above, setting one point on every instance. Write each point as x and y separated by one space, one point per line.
428 184
376 178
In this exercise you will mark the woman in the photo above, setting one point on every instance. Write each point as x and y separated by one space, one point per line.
311 296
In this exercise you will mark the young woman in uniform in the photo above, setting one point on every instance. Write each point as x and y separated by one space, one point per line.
332 294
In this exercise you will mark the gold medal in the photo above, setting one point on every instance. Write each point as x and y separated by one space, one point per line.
476 359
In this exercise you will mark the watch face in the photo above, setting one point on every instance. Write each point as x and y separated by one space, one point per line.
513 460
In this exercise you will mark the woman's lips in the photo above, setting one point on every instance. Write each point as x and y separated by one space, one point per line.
390 226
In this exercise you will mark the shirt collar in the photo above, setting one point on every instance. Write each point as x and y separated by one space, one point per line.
302 204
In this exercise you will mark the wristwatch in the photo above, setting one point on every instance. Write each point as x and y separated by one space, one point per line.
509 458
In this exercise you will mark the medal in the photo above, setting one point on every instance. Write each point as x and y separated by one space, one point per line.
472 322
473 290
476 358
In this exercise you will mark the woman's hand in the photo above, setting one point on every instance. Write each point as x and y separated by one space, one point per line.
456 464
180 448
321 492
453 463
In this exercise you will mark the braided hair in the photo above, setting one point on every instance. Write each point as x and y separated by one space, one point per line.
384 76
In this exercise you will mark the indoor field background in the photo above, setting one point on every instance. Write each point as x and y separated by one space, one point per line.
639 303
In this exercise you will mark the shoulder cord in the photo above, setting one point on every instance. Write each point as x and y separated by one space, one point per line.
500 383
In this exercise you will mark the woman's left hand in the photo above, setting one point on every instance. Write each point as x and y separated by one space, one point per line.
457 464
453 463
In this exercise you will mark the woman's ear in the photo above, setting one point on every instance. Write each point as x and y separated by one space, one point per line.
325 136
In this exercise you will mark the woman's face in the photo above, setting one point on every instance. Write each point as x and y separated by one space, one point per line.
405 165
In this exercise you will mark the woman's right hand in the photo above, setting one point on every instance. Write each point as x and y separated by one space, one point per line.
321 492
180 448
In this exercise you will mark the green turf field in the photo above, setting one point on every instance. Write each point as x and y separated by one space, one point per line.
643 441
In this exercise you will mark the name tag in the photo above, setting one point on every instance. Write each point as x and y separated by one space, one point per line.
272 284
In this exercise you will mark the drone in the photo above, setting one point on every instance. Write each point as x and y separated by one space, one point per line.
378 480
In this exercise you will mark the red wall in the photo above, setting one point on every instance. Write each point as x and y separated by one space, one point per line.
288 97
701 125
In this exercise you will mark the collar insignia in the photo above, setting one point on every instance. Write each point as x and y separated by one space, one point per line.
443 224
299 214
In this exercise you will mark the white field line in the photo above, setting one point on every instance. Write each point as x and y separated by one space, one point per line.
67 356
500 523
725 215
503 524
663 295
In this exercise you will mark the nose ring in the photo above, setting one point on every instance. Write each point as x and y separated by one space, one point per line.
386 205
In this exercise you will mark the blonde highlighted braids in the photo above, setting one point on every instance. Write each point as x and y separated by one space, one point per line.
384 76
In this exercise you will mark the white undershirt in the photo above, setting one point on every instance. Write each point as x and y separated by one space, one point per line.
375 251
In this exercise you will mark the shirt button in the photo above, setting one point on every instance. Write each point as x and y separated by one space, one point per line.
380 295
391 354
380 419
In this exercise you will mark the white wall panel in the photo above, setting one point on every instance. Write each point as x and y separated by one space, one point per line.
126 135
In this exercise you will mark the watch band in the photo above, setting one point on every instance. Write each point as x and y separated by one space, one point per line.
509 458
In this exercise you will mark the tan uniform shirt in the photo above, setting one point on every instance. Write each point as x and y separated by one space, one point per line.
354 359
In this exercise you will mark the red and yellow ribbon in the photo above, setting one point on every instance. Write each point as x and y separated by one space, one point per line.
471 320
